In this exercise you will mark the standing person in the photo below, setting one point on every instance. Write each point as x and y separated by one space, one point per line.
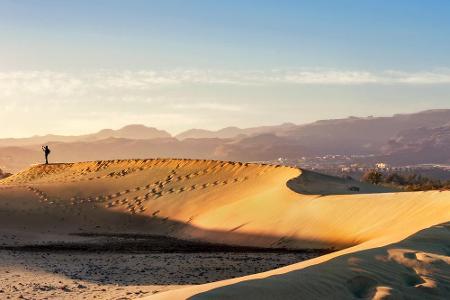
46 152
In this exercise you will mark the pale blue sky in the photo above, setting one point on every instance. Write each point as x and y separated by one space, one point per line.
80 66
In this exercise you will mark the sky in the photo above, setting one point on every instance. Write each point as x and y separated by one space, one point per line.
73 67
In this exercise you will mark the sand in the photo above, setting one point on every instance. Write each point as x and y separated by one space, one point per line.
417 267
242 205
50 274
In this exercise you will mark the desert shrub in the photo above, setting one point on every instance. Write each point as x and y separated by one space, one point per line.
414 182
373 176
354 189
395 178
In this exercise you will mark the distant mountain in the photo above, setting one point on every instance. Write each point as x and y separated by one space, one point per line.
261 147
362 135
233 132
351 135
420 145
422 137
138 132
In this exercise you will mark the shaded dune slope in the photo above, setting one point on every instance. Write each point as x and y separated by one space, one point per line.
314 183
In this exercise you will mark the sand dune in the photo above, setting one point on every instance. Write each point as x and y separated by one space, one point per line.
417 267
246 205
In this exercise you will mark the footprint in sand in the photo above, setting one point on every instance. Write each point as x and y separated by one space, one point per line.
362 286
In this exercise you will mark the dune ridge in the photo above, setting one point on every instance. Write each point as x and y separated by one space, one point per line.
246 204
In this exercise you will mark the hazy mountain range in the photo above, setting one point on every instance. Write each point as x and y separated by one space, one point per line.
422 137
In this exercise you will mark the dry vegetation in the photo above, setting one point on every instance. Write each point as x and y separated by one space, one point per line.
407 182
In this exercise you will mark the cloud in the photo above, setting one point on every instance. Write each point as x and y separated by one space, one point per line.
119 83
352 77
208 106
39 83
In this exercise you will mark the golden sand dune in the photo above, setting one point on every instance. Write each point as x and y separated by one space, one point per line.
249 205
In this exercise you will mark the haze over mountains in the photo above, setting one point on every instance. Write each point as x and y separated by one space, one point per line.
138 132
422 137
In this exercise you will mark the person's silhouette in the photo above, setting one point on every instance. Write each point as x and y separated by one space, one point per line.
46 152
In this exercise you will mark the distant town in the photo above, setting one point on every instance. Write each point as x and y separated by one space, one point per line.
356 166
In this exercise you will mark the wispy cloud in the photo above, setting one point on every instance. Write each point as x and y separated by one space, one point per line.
39 83
207 106
61 84
350 77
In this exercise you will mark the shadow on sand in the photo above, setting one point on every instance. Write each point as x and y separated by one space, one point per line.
312 183
109 247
